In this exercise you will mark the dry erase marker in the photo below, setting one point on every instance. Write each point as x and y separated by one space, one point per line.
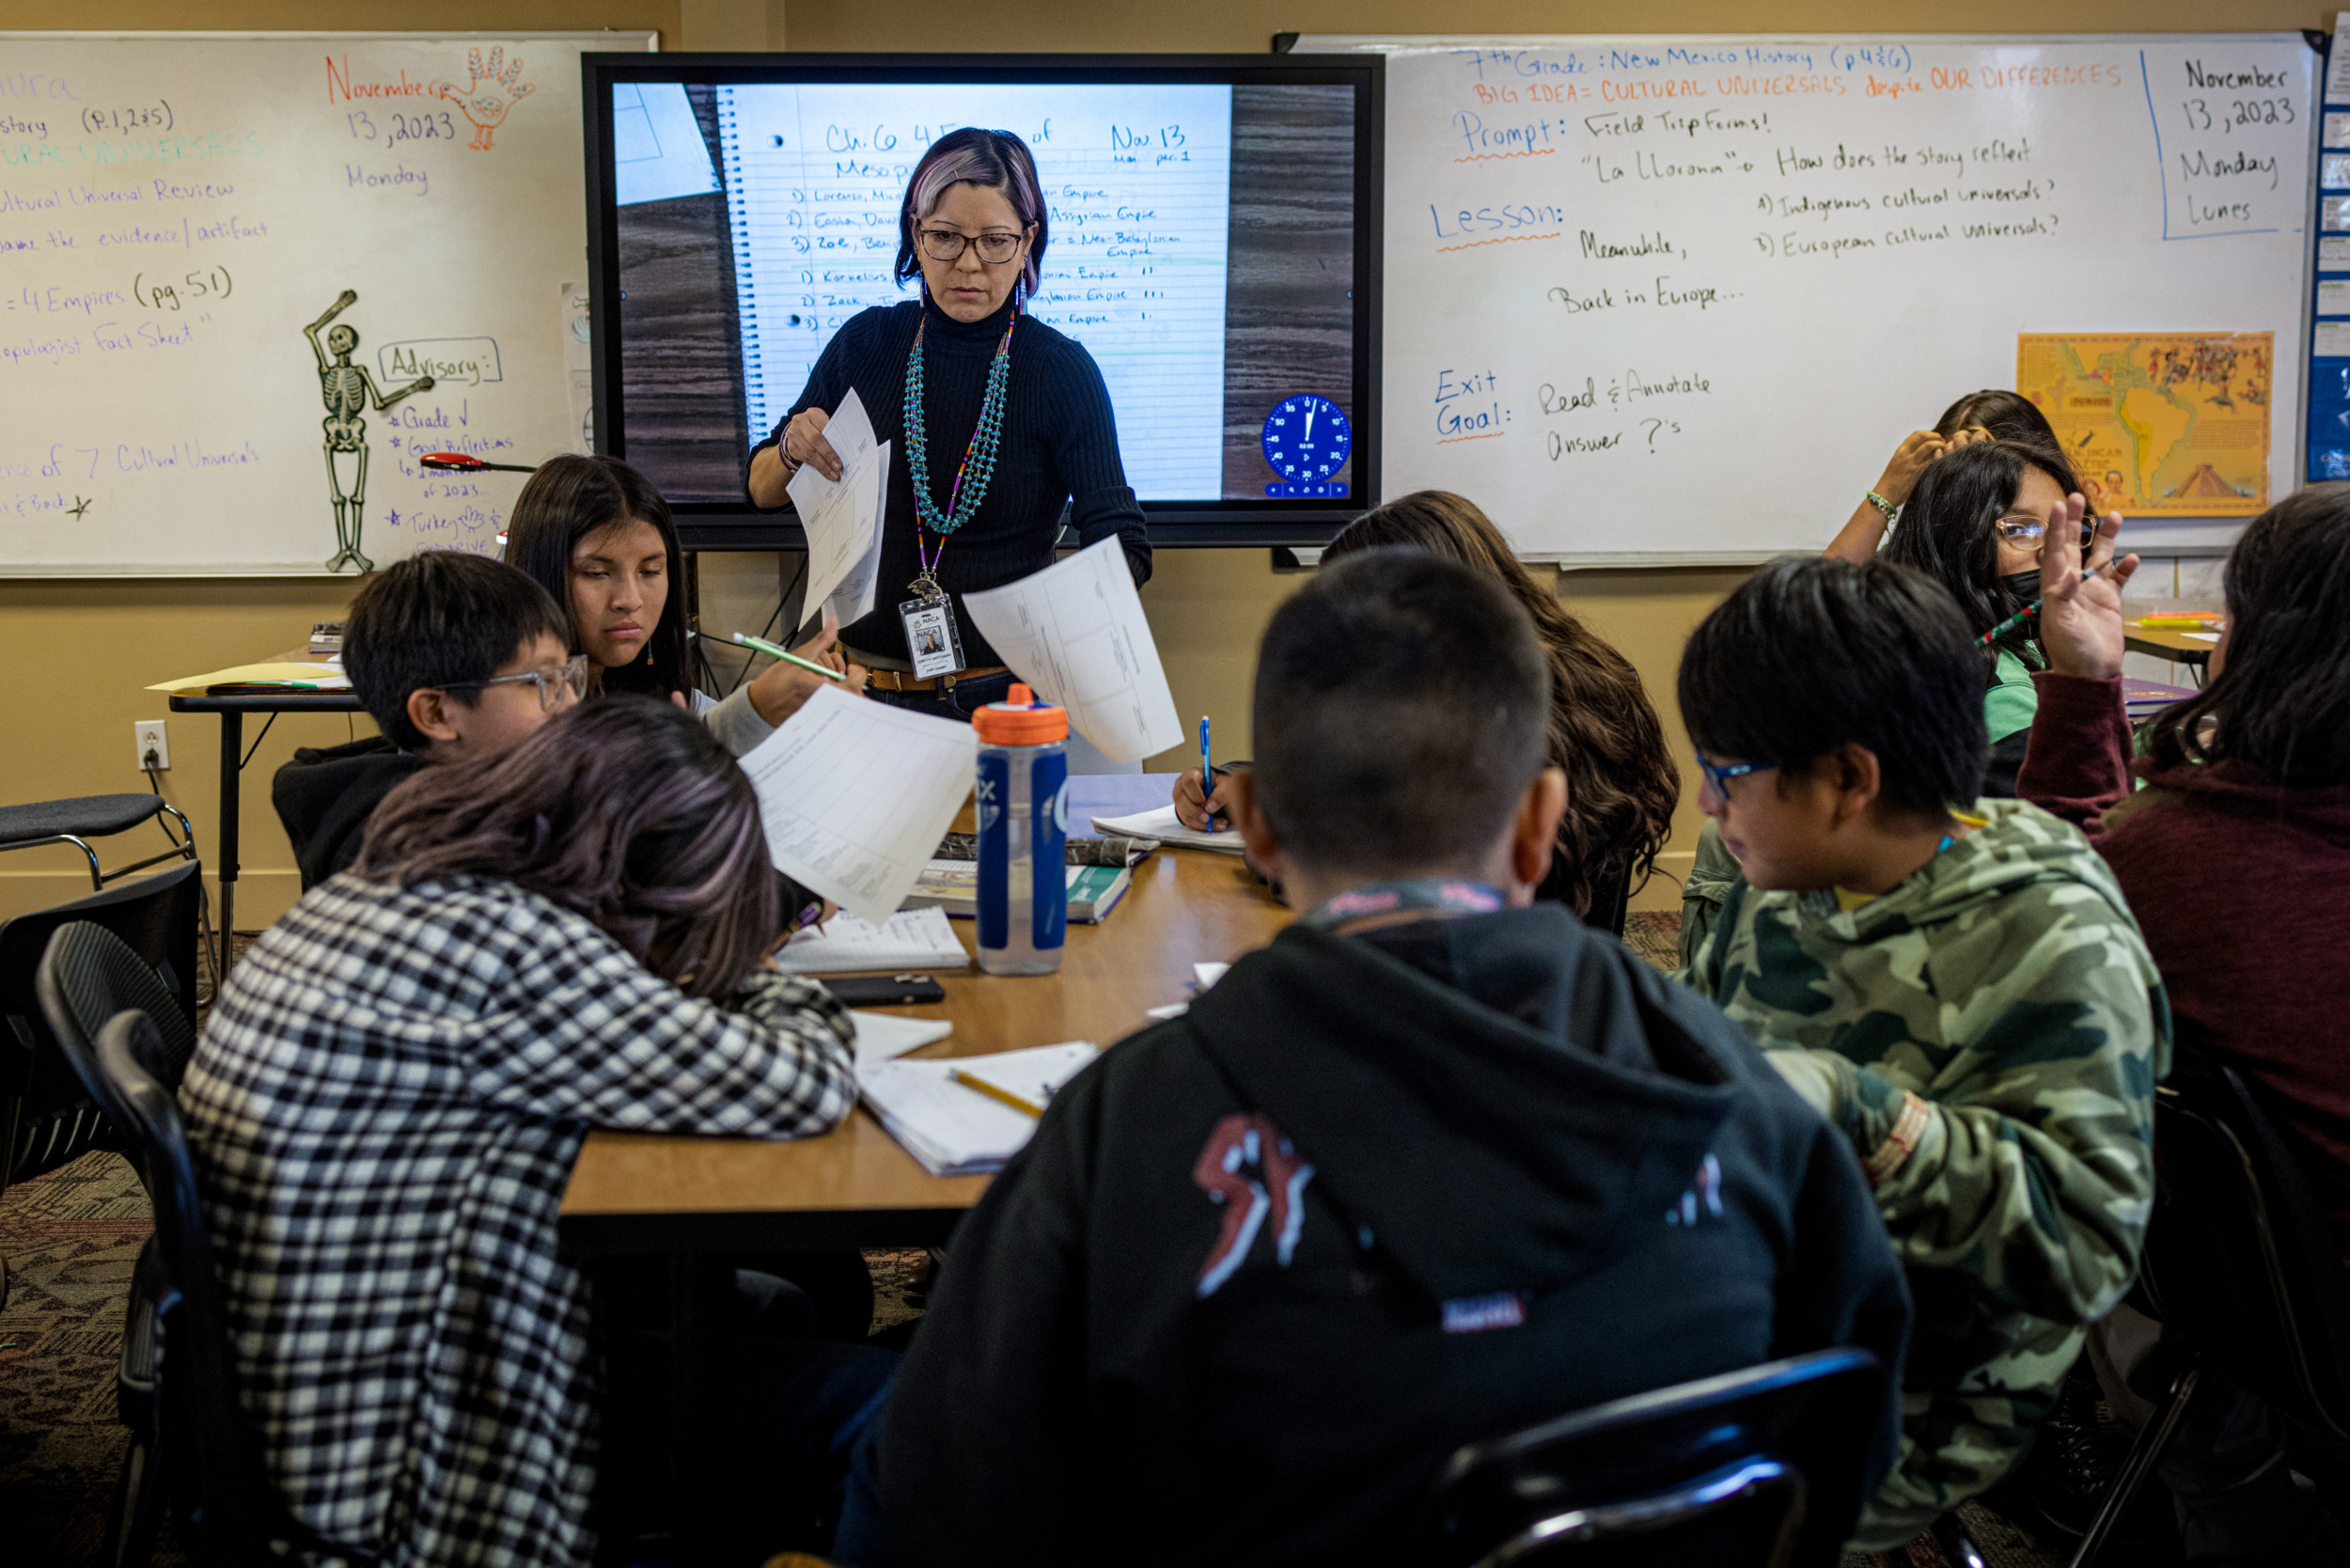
764 646
2029 611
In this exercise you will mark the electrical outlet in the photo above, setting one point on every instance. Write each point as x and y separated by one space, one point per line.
153 738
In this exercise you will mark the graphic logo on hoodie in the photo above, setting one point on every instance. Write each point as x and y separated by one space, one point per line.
1252 1170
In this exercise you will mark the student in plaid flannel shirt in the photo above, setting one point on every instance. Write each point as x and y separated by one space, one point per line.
389 1097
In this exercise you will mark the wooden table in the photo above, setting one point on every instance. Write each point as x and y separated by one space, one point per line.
2168 642
686 1205
644 1193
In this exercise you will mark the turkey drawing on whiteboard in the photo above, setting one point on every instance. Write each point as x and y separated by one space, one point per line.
349 389
486 99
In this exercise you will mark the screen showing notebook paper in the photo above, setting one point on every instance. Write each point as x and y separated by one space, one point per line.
1210 223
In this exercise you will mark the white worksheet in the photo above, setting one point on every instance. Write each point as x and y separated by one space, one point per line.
1075 632
856 795
884 1036
843 517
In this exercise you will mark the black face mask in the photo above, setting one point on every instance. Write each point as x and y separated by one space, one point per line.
2024 584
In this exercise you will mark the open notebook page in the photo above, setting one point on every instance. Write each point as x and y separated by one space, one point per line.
1168 829
856 795
910 939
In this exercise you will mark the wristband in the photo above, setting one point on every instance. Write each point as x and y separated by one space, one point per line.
1898 1143
1883 505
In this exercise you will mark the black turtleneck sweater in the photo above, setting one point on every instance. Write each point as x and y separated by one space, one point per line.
1059 443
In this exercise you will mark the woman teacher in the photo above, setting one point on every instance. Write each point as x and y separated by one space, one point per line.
998 420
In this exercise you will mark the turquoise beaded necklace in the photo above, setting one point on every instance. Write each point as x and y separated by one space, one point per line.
978 458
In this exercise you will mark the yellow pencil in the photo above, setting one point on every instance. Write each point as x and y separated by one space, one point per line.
993 1093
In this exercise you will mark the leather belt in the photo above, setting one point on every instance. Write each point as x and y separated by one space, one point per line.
901 680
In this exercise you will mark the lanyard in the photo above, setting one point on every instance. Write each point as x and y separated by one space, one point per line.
1450 896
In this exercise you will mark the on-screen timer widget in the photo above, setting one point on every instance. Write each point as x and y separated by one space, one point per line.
1307 441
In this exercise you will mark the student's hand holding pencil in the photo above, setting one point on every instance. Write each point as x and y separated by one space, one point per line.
781 689
2080 600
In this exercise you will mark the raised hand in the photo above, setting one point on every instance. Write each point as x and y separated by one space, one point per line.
2081 623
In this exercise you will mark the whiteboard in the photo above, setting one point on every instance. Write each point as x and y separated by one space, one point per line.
1677 299
175 208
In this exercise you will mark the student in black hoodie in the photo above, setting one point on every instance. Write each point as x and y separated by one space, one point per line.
1436 1163
455 655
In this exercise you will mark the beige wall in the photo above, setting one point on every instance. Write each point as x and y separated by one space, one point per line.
78 653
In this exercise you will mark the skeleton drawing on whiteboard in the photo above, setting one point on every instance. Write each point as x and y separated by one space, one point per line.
349 390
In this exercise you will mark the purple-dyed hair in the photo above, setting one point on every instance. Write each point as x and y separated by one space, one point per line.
995 159
624 810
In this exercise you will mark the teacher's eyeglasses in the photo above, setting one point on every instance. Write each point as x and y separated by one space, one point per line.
995 247
571 677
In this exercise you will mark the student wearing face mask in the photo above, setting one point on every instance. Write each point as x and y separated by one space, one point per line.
599 538
1975 523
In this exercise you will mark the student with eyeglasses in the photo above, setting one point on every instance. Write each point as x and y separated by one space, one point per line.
1975 523
456 656
996 422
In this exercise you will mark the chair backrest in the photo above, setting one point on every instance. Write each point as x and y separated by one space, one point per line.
153 921
88 975
1756 1468
2239 1257
204 1429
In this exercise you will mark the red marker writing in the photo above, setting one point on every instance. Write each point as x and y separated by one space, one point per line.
461 462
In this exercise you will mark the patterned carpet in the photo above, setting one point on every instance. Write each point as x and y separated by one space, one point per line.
70 1238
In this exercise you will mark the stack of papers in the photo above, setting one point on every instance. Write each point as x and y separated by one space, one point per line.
842 520
954 1129
324 677
1168 829
911 939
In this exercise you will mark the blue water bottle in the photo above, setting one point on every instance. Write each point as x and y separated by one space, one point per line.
1022 804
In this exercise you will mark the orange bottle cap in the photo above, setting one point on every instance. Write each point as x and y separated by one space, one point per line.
1020 720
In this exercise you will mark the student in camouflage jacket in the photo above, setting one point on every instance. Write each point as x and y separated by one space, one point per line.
1964 992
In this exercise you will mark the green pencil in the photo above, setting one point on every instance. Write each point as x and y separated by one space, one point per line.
764 646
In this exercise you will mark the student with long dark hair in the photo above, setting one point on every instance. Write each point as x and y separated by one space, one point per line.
1622 782
389 1094
596 535
1976 523
1992 413
2232 838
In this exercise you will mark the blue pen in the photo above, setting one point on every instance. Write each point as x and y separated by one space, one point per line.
1207 773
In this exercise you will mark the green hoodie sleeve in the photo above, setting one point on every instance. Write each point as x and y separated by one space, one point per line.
2030 1145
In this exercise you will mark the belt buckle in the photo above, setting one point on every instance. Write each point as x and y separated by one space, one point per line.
947 683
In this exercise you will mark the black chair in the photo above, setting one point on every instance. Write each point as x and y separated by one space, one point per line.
86 973
207 1458
46 1110
2240 1265
83 817
1760 1469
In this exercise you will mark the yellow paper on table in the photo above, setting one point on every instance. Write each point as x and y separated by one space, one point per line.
2157 424
307 677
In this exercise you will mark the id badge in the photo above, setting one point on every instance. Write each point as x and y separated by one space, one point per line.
931 641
